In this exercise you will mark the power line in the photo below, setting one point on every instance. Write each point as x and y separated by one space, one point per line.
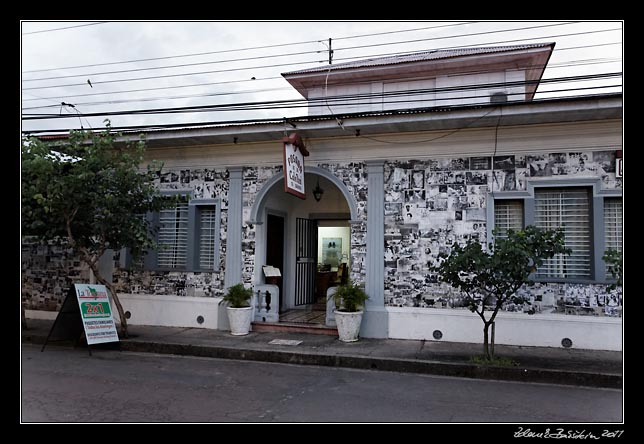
240 49
67 96
301 63
283 55
276 103
187 125
183 65
149 99
172 75
164 87
67 27
459 35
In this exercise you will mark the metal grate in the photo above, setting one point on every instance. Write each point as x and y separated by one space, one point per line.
507 214
613 208
567 208
207 225
173 237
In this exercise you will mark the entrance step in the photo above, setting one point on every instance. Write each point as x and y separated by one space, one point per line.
292 327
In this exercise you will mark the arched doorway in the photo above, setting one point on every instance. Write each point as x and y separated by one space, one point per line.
285 224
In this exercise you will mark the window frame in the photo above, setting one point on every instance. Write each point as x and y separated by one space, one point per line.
150 262
598 273
195 206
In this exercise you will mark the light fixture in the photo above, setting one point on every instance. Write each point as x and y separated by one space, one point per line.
318 192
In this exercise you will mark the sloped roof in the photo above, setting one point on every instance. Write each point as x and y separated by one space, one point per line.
420 57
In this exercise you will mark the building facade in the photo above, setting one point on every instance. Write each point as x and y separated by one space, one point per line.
412 154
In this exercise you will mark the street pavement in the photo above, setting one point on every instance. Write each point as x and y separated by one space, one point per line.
592 368
64 385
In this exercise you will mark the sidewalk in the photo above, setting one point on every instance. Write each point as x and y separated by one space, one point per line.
535 364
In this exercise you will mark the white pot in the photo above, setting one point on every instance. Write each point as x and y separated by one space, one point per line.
348 324
239 319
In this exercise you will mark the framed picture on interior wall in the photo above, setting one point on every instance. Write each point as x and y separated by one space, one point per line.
331 250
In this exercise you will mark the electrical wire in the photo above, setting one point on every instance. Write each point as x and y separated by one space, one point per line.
176 56
550 67
318 61
60 29
257 121
325 100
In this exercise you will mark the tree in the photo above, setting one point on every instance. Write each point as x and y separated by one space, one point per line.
613 259
89 191
491 278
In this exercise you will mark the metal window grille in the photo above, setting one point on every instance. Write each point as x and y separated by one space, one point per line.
173 236
613 224
569 209
507 214
207 224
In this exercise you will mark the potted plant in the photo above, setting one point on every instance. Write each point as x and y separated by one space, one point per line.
349 300
239 309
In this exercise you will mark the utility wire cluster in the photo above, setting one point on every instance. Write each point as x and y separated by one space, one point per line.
59 95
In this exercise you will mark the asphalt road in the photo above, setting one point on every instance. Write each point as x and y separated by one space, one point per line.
67 385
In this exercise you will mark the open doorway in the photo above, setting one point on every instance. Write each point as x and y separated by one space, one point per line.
300 226
275 248
333 256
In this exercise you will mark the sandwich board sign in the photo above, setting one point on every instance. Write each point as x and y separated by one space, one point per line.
86 309
96 312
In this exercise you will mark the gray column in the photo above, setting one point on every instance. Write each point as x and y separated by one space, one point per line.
233 273
375 321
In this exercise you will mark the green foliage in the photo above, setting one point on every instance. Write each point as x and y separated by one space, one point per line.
89 190
350 297
491 278
238 296
613 259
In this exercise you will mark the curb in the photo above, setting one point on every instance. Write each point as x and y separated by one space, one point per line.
517 374
462 370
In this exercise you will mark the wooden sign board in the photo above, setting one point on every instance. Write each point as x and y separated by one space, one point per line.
294 153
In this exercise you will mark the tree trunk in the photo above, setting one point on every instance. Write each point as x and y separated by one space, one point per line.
115 298
486 341
24 318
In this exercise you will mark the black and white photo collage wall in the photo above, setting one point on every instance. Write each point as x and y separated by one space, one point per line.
432 204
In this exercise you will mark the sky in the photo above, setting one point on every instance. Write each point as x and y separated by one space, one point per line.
71 70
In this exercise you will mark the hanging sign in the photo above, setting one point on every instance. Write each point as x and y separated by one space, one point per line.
96 313
294 153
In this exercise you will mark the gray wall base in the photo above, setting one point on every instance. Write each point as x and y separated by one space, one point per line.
375 323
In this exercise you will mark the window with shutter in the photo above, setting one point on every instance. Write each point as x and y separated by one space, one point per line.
613 224
173 237
569 209
508 214
207 237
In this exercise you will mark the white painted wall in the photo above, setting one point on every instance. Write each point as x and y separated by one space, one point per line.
543 330
446 98
161 310
172 311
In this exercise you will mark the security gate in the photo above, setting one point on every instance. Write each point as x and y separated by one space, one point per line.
306 246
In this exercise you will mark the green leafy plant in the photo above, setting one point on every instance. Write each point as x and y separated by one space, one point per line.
491 278
238 296
88 191
350 297
613 259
